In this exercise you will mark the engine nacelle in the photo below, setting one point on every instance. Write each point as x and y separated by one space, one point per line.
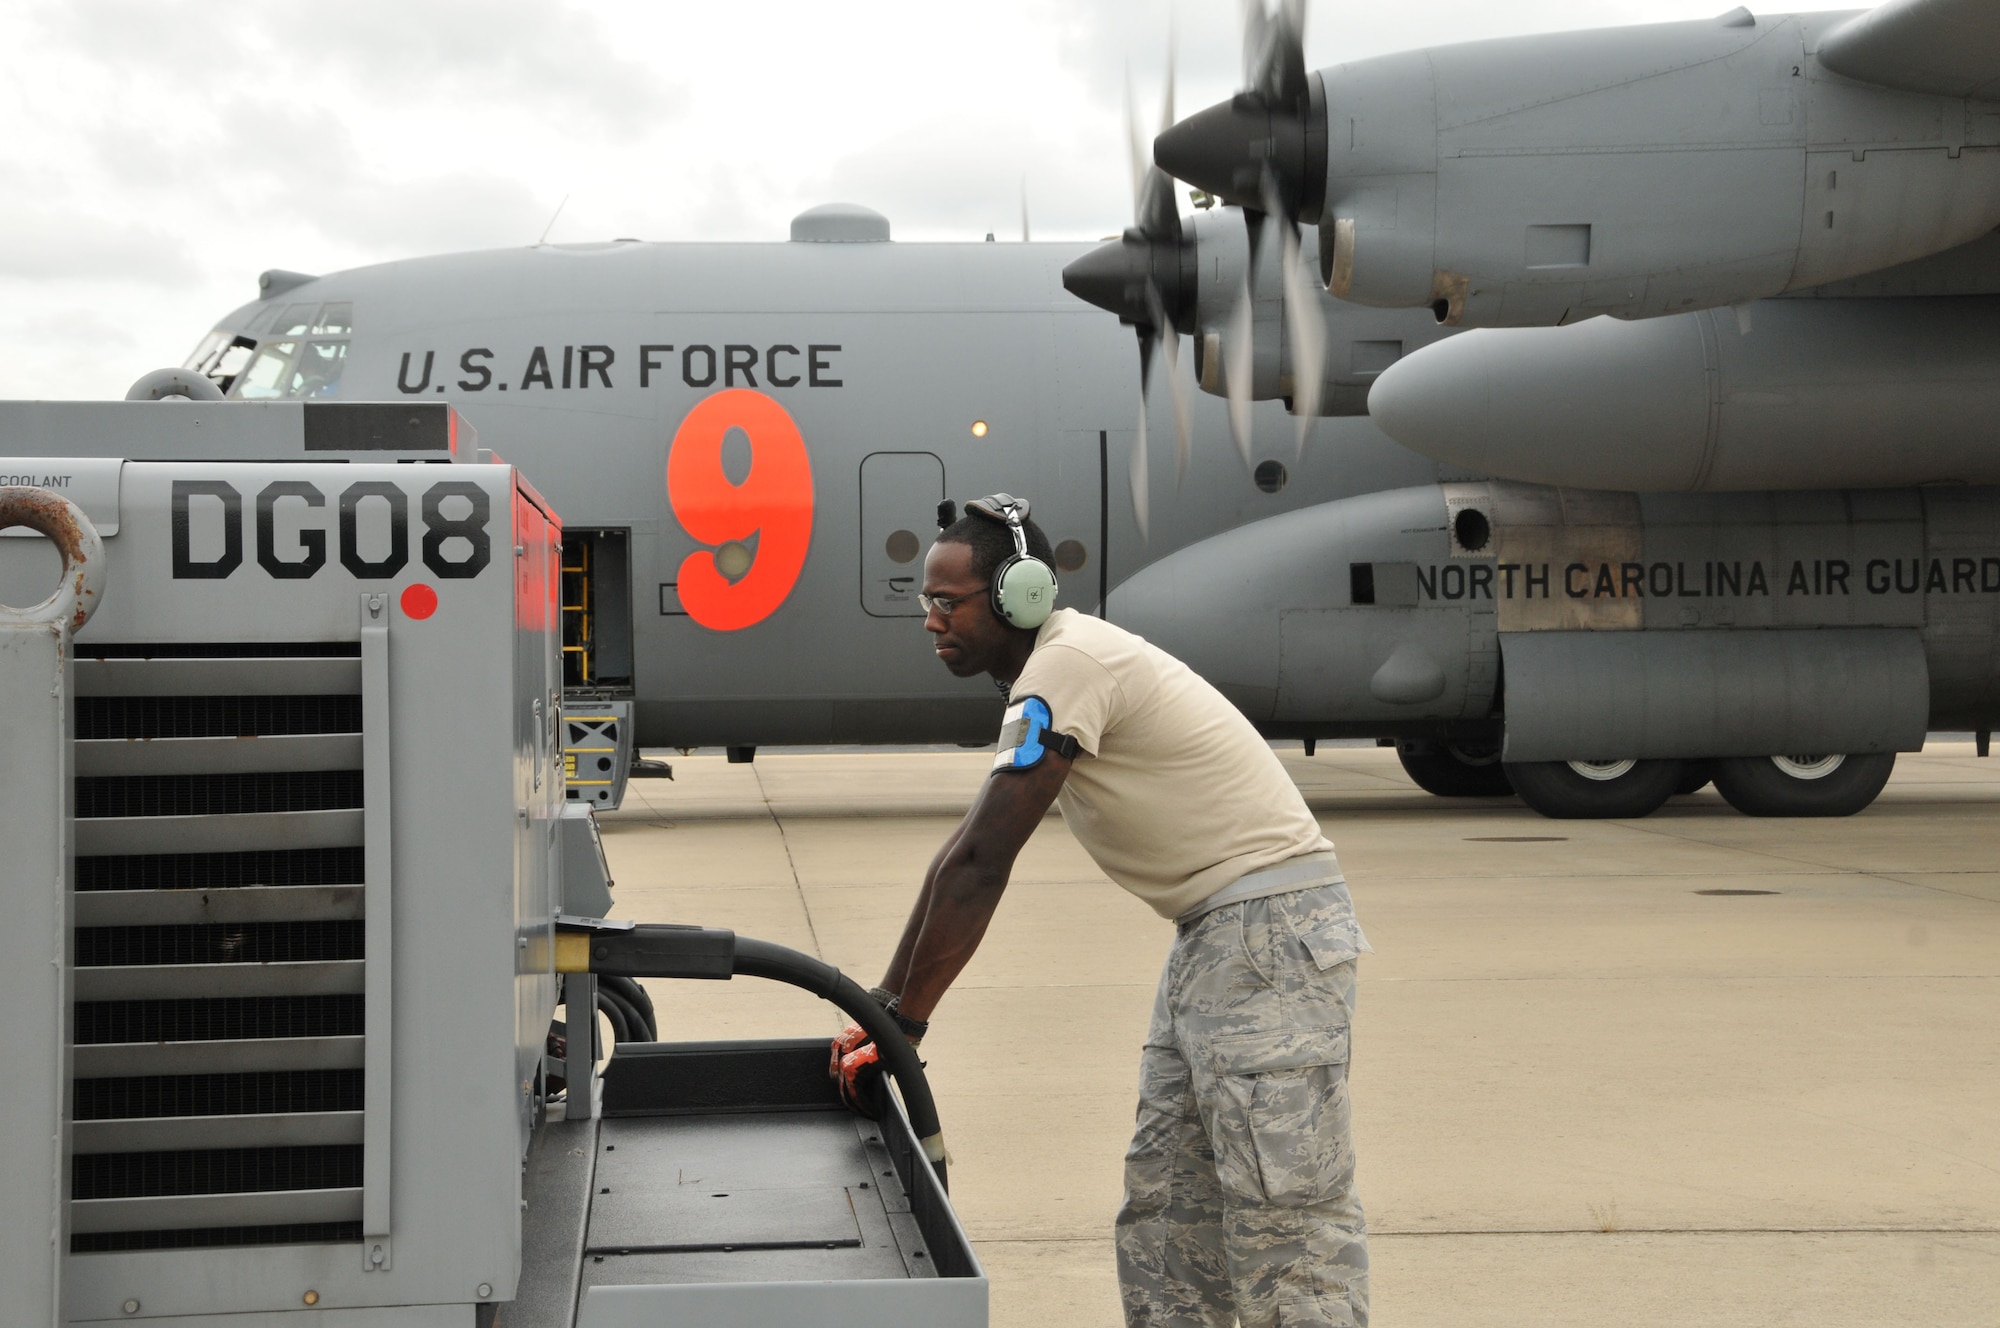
1795 394
1634 171
1359 342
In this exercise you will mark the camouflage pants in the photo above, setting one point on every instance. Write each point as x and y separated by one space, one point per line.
1239 1184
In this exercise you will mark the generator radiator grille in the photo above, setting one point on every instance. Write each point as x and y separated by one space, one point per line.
208 1238
253 1093
220 1022
219 943
146 717
220 871
215 1171
218 1019
217 795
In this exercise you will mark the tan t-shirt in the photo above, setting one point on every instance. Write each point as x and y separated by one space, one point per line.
1173 793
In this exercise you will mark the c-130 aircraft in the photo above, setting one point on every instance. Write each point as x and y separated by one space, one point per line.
748 442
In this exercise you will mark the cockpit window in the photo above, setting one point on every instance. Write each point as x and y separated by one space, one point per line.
293 370
296 320
285 353
221 356
334 319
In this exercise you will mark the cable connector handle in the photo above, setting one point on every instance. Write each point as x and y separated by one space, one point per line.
647 950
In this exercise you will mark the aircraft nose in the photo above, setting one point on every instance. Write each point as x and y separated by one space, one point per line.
1113 277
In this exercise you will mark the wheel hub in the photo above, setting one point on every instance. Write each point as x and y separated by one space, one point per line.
1808 767
1603 771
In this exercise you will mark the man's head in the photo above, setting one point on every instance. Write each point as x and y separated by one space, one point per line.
973 639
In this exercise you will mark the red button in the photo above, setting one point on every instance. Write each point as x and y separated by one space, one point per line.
419 601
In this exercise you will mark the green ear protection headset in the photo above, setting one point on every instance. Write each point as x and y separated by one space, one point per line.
1024 587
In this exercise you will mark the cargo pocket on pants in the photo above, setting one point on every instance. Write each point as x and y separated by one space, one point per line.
1280 1122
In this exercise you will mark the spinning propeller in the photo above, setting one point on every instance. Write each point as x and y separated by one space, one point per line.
1147 277
1272 151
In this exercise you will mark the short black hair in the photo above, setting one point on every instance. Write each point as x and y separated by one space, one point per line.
992 543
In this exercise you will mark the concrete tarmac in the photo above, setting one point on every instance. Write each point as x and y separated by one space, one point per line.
1693 1069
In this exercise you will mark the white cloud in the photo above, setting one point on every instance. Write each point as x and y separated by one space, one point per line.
158 154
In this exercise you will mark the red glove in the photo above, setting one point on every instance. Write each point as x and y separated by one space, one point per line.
855 1066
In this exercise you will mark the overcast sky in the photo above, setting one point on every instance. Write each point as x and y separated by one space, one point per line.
156 155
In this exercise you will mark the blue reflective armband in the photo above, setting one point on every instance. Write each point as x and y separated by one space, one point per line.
1026 736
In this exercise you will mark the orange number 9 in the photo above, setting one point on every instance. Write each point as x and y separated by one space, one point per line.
774 503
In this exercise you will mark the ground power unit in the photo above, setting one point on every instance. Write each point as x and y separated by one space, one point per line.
298 889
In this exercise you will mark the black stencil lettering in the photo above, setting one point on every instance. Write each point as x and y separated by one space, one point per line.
1451 581
1427 582
185 567
687 366
1963 570
403 374
1795 584
1507 571
739 359
1660 581
816 367
1681 582
771 366
1877 584
399 529
1729 578
1916 576
471 528
569 362
1836 575
1570 587
1536 578
1632 578
594 360
1989 575
1757 586
1934 583
468 368
1606 586
313 542
538 371
647 363
1482 581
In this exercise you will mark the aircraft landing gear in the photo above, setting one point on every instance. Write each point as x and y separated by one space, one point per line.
1455 769
1595 790
1802 785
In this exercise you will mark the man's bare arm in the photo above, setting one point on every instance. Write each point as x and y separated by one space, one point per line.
899 964
970 877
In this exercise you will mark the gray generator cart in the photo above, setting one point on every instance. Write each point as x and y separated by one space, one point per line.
295 891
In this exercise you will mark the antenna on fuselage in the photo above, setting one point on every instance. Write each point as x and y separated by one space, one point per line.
552 221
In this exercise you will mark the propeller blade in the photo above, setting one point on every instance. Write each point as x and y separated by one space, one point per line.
1137 478
1140 159
1308 338
1304 329
1236 366
1177 393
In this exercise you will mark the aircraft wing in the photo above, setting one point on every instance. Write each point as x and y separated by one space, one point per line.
1946 47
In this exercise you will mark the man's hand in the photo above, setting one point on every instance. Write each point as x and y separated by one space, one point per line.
855 1067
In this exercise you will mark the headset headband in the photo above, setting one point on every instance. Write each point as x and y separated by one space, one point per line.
1009 511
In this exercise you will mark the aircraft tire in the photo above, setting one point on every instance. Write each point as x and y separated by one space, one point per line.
1595 790
1454 771
1803 785
1694 778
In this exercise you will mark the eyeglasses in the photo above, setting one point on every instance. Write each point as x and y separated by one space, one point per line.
942 605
